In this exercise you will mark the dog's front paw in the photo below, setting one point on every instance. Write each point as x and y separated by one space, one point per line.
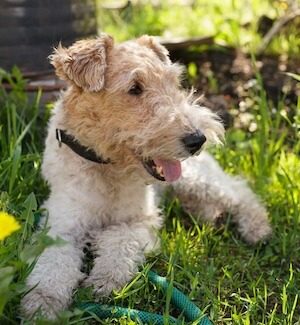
40 302
257 234
256 229
101 286
104 280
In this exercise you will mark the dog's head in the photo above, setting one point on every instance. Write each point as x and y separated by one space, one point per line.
126 103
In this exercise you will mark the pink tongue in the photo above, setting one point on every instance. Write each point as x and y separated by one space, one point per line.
171 169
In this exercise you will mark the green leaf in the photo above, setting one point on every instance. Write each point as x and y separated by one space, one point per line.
6 277
30 205
293 75
15 166
192 70
31 252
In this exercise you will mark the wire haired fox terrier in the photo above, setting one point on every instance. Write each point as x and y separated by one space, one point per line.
123 127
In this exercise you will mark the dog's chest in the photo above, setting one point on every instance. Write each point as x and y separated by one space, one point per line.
119 203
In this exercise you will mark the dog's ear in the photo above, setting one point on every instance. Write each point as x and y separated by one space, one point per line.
84 63
156 47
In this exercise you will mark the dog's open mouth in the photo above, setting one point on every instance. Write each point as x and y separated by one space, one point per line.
163 169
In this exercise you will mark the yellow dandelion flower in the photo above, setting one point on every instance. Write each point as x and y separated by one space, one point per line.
8 224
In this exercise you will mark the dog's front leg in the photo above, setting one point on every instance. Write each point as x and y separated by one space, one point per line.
57 271
119 250
53 280
206 190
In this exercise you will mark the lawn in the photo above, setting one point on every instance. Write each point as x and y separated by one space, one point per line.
233 23
232 282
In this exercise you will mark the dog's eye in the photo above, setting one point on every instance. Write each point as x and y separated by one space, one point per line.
135 90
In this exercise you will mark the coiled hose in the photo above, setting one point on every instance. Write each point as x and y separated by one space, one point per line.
178 299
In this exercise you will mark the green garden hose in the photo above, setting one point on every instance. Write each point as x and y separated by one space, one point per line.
178 299
105 311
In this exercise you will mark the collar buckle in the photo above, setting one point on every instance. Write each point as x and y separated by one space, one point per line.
58 137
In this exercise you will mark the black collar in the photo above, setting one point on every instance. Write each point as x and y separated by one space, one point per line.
73 144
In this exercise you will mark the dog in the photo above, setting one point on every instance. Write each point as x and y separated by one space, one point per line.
122 132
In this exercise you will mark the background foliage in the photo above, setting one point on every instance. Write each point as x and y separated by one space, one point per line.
235 23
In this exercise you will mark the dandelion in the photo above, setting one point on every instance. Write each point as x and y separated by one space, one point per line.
8 224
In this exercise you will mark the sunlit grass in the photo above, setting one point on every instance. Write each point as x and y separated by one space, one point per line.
233 23
232 282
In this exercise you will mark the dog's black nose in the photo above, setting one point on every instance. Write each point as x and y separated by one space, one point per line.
194 141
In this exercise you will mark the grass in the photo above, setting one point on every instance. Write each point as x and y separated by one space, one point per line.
231 281
233 23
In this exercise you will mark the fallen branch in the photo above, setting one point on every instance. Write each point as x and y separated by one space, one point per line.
279 24
181 43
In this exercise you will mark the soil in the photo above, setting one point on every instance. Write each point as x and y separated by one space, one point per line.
227 78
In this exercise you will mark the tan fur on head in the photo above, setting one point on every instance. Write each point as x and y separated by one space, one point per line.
84 63
158 49
124 127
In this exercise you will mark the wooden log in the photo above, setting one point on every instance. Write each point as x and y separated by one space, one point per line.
183 43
